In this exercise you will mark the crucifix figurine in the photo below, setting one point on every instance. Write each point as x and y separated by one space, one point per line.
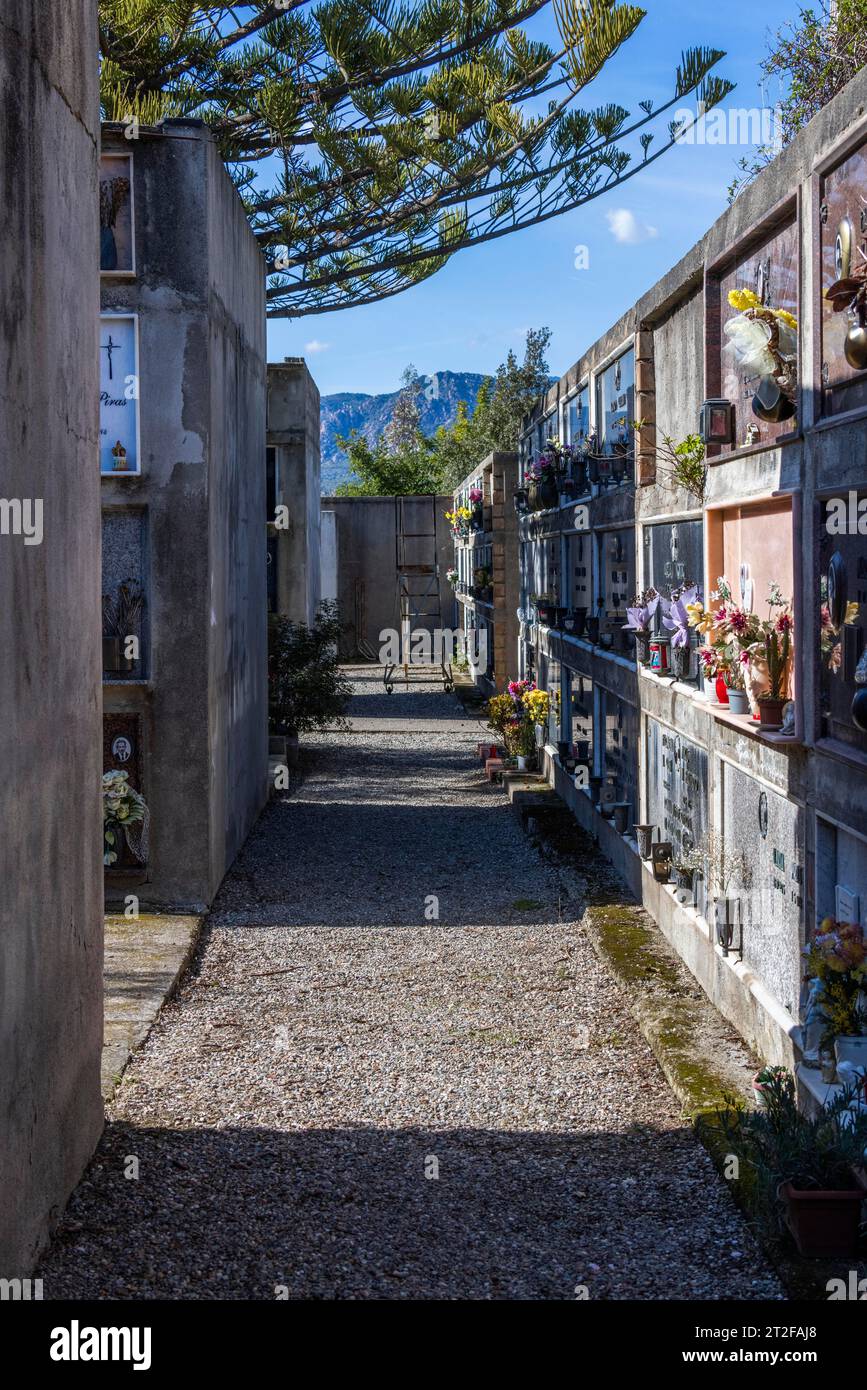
110 347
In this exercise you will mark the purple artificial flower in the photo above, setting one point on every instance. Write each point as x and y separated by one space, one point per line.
638 618
676 618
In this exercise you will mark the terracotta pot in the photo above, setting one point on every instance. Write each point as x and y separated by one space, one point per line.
824 1224
771 712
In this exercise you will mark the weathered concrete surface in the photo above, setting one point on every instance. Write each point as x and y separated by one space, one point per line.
199 294
50 668
144 960
366 567
293 431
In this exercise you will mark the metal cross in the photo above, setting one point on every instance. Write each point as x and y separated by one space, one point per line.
110 347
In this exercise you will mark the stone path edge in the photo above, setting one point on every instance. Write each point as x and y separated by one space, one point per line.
146 958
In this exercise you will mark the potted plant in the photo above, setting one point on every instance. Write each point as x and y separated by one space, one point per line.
475 497
805 1167
774 647
120 619
639 617
515 715
125 819
721 869
452 577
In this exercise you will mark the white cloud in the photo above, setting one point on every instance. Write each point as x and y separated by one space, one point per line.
625 227
315 346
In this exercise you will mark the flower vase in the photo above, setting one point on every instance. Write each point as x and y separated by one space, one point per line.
722 693
757 683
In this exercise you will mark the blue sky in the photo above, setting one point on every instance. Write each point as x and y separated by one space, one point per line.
468 316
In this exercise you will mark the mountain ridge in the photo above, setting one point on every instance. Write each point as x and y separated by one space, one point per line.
343 411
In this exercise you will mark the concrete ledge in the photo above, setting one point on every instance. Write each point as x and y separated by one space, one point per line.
701 1056
145 958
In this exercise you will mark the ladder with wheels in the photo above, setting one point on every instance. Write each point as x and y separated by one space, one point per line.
419 602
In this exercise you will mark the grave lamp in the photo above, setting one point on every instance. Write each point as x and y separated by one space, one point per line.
717 422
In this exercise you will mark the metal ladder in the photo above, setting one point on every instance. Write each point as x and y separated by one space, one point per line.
419 603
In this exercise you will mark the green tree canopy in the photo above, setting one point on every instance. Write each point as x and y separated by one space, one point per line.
404 462
373 139
813 57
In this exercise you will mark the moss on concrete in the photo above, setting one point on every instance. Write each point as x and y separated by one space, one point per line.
666 1010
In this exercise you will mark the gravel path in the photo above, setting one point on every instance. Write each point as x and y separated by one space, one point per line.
349 1099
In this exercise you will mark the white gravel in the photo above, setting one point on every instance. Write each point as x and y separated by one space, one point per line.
334 1050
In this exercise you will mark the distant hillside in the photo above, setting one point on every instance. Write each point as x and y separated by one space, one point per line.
369 415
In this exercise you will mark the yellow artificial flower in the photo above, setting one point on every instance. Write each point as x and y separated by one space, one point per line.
537 705
698 618
852 610
744 299
786 317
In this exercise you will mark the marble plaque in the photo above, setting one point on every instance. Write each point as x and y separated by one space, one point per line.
769 830
673 556
677 783
621 749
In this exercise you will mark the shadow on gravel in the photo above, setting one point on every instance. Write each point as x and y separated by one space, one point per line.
337 1214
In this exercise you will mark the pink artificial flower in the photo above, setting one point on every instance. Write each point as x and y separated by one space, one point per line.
737 620
784 623
720 616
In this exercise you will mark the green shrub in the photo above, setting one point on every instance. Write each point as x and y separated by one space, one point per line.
307 689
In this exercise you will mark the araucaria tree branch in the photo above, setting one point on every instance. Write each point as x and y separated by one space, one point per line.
373 139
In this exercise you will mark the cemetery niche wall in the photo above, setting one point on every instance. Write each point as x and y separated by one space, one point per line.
743 321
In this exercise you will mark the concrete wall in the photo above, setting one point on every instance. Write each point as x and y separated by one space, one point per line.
198 291
367 567
50 811
237 626
293 431
328 558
